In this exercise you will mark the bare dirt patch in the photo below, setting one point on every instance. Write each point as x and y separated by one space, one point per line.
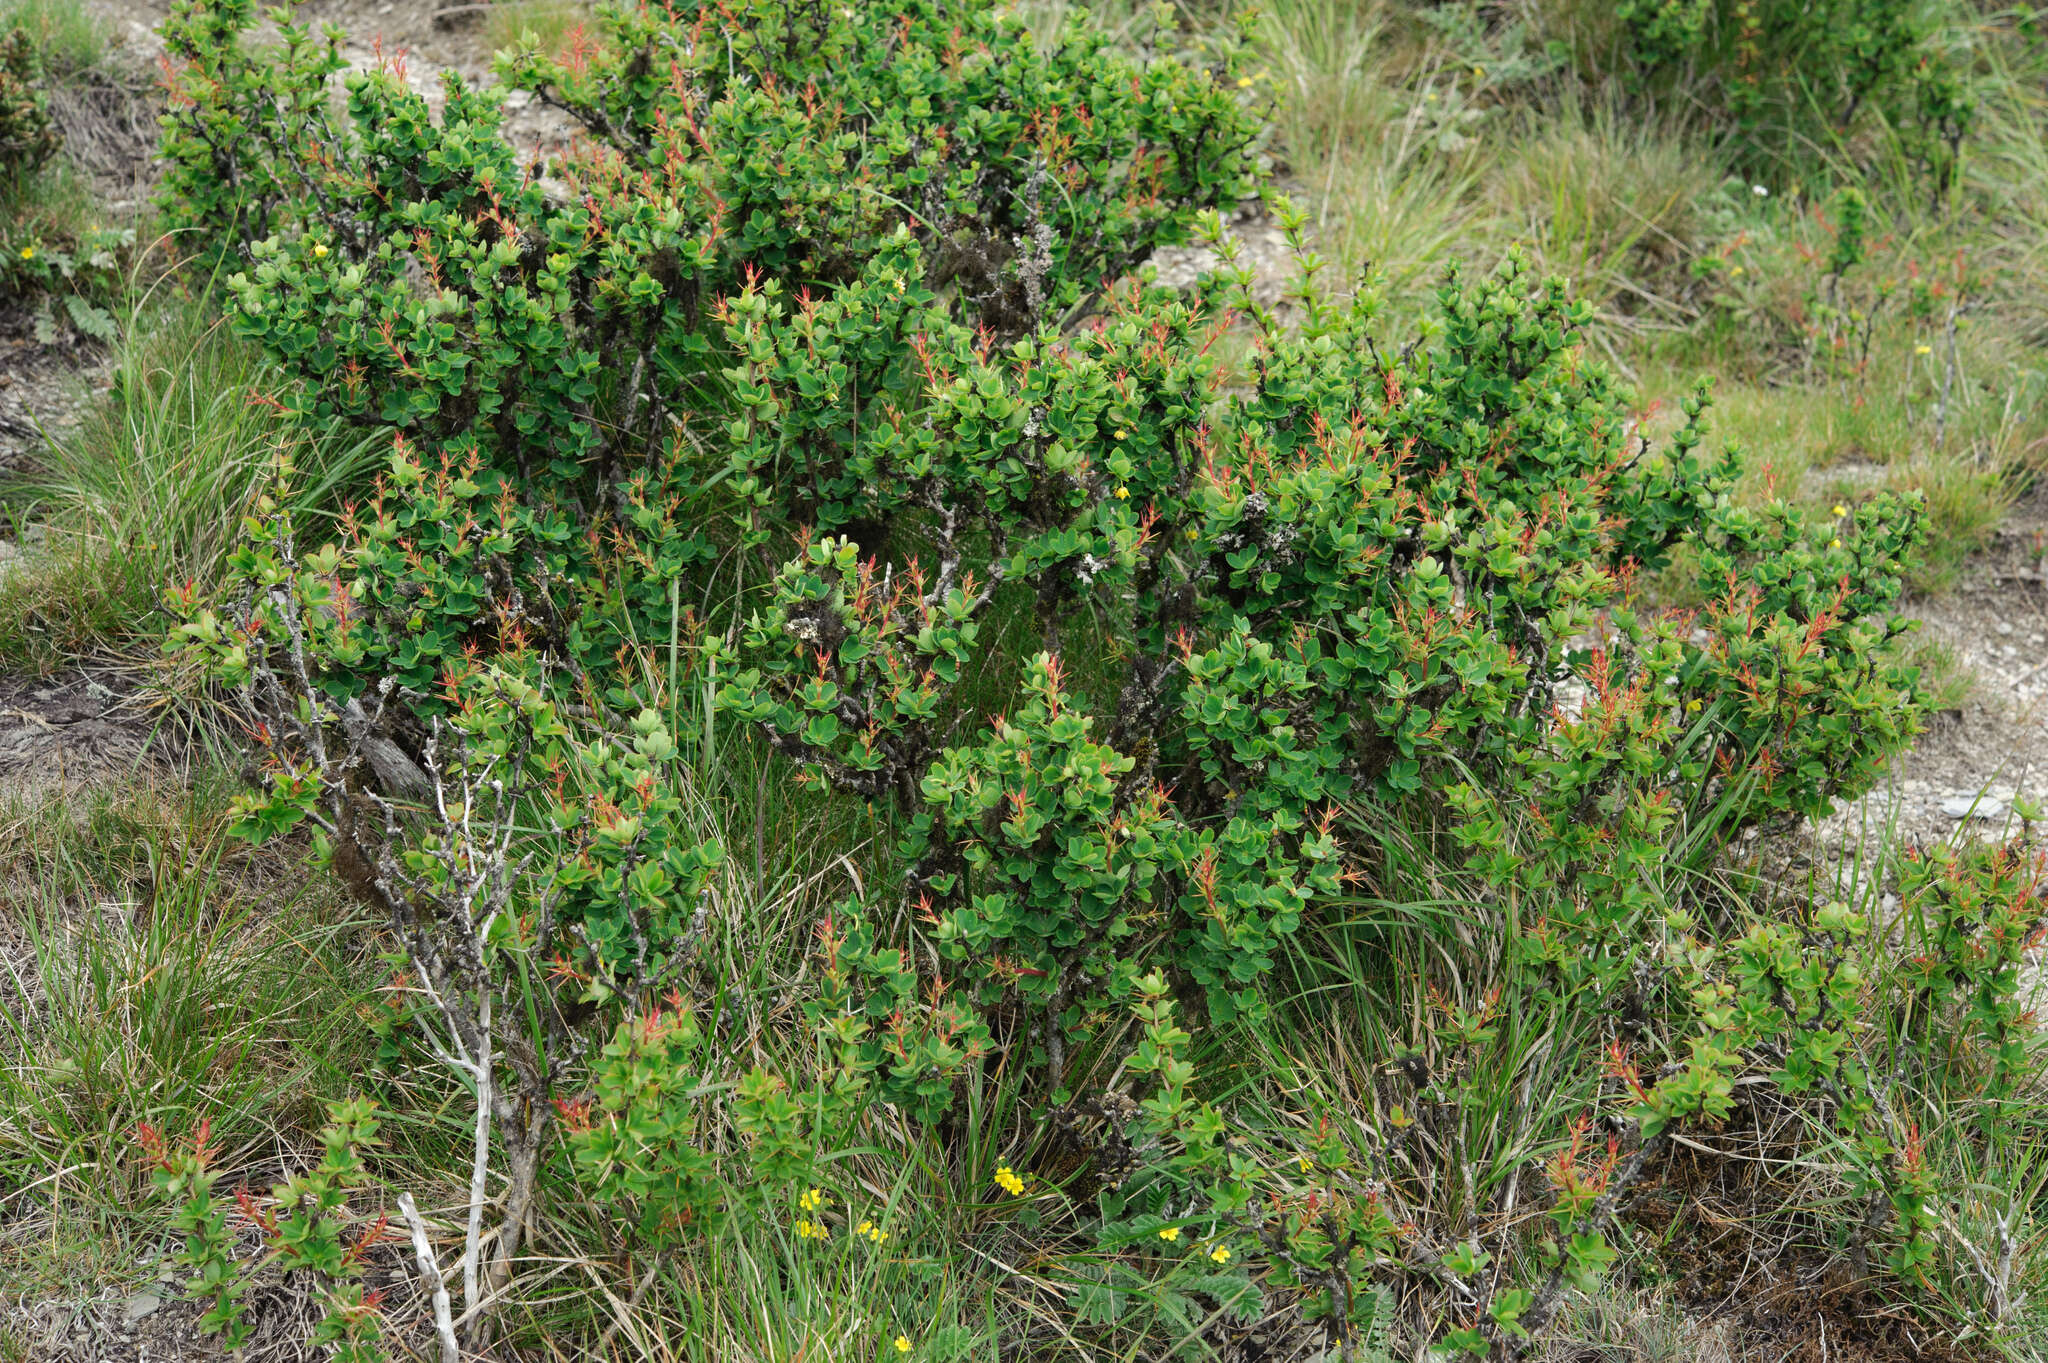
78 730
43 391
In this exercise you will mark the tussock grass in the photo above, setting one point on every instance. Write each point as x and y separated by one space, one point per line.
156 972
148 494
551 22
68 36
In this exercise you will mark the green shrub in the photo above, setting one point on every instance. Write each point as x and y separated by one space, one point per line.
27 136
1778 64
301 1222
860 283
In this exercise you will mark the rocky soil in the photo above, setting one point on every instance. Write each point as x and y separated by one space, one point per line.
1966 771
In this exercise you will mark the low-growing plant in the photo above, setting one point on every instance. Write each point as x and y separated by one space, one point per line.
51 253
83 275
303 1223
184 1175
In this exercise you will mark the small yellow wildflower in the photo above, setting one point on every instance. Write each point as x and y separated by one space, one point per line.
28 253
1479 71
871 1231
1839 510
1192 533
1735 273
1244 82
1429 98
1121 434
902 1344
808 1229
1007 1179
1834 544
1923 350
811 1200
1304 1163
319 250
1692 707
1170 1233
1123 494
1221 1254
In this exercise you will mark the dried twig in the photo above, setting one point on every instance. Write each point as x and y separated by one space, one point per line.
444 1322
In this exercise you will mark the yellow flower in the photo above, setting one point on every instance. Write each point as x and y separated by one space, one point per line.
1734 272
1192 533
1923 350
28 253
902 1344
1221 1254
1834 544
1121 434
872 1231
1170 1233
1692 707
807 1229
319 250
1479 71
1244 82
811 1200
1123 494
1839 510
1429 98
1007 1179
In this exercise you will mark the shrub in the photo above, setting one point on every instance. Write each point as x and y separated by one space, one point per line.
302 1223
1778 63
27 137
848 281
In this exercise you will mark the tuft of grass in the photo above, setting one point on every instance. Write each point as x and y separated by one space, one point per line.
149 492
551 22
156 972
68 36
1610 204
1613 1325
